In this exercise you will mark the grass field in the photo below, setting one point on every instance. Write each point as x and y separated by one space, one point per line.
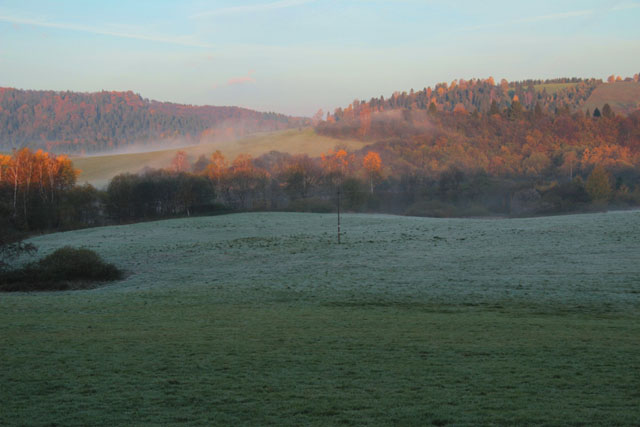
552 88
621 96
98 170
262 319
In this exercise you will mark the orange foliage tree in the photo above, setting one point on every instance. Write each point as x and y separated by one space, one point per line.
34 179
373 166
336 165
216 169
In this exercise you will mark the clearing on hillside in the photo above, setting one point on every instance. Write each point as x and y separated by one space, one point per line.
98 170
623 97
552 88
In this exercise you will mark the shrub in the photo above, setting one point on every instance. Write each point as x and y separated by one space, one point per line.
77 264
66 268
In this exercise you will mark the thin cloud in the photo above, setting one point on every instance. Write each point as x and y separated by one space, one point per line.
237 81
241 80
556 16
626 6
180 40
253 8
540 18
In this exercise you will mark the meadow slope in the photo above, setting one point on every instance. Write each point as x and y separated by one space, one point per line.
263 319
623 97
98 170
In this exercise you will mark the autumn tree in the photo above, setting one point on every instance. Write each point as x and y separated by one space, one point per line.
299 175
245 180
365 120
599 184
317 117
218 165
216 171
180 163
336 164
200 165
373 167
35 181
569 163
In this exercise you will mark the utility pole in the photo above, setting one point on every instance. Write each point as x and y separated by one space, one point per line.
338 215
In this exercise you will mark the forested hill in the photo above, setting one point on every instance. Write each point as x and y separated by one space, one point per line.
483 95
72 122
505 130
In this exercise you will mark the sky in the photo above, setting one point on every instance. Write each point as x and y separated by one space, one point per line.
297 56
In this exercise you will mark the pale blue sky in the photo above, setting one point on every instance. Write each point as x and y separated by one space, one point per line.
295 56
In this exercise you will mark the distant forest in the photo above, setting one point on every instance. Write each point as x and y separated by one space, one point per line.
485 95
77 123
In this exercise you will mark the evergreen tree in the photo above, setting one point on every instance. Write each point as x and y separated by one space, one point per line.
537 110
494 108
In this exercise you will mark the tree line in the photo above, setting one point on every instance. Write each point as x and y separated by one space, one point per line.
39 191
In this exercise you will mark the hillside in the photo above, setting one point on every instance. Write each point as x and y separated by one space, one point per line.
623 97
71 122
98 170
262 319
533 129
485 95
482 95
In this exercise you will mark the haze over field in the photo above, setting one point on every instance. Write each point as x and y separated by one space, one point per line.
98 170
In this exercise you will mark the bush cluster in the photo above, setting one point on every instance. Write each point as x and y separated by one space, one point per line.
66 268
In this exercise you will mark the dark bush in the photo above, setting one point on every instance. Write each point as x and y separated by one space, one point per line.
66 268
77 264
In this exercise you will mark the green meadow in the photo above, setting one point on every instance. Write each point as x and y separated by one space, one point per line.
552 88
263 319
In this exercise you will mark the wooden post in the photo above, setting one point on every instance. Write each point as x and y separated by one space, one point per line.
338 215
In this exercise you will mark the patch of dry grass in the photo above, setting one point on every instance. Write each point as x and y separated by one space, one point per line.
98 170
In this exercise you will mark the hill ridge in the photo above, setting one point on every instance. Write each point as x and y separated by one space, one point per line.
88 122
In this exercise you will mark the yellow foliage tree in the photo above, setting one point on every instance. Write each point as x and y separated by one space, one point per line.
373 165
